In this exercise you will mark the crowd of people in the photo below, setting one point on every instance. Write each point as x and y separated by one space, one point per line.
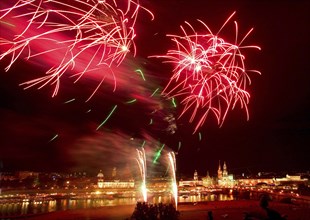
146 211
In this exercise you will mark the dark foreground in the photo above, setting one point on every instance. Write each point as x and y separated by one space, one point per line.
188 211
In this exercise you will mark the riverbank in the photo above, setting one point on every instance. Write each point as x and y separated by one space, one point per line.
233 210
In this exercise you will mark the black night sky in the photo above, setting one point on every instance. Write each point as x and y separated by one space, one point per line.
276 138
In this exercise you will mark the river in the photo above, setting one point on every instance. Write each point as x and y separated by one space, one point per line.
20 207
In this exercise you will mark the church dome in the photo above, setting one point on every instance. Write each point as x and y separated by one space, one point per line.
100 174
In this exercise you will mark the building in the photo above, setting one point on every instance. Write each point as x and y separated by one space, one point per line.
21 175
114 173
192 182
207 181
224 179
117 184
288 180
100 179
297 179
252 182
114 184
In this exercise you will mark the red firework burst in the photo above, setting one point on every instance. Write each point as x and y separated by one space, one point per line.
77 35
209 74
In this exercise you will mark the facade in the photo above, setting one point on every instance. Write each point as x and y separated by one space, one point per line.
21 175
254 181
192 183
183 183
100 179
207 181
289 178
115 184
224 179
159 184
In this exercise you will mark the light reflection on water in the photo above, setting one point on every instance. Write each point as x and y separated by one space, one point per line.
208 197
18 208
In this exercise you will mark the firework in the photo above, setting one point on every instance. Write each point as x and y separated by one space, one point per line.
209 74
142 166
107 118
172 163
77 36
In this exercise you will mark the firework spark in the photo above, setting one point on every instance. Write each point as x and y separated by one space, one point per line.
77 36
172 163
209 74
107 118
158 153
142 166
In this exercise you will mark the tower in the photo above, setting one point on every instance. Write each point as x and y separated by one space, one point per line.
208 175
114 173
225 173
219 171
100 179
195 176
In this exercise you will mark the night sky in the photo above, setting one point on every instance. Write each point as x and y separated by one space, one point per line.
42 133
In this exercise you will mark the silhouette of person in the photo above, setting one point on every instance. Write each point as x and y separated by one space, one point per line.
210 215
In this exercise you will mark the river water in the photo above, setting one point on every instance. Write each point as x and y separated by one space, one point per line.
32 206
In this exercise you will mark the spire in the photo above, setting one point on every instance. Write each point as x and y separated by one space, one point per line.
219 171
225 172
195 175
224 166
114 172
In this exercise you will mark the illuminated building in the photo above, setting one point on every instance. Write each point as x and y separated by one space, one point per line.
207 181
219 171
225 173
193 182
159 183
249 182
195 176
291 178
114 184
284 181
100 179
21 175
224 179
